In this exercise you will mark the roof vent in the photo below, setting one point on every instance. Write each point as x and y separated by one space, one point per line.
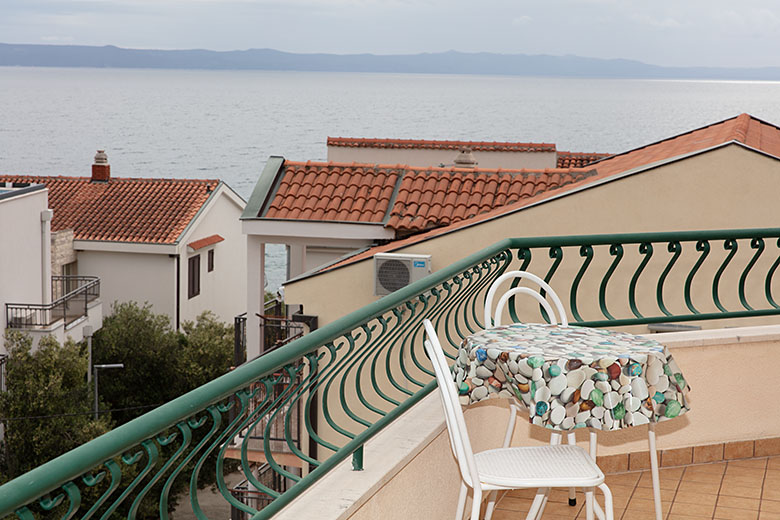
465 159
101 170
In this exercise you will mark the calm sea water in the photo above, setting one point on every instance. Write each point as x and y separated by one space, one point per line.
225 124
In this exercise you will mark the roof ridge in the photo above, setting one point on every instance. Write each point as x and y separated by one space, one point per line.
409 167
741 128
80 178
406 141
435 143
566 152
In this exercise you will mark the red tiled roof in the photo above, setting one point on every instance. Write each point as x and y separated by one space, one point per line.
434 197
433 233
578 159
123 210
205 242
489 146
425 197
744 129
334 192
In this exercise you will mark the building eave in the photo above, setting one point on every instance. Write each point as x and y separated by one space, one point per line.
263 188
107 246
307 229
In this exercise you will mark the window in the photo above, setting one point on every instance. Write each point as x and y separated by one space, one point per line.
211 260
193 277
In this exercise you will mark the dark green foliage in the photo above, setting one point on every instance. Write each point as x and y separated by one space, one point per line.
160 363
48 382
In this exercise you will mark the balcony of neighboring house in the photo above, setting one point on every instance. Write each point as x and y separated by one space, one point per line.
345 421
75 304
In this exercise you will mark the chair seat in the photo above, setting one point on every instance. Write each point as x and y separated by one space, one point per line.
538 466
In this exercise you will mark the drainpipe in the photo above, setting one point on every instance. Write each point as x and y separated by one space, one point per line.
178 290
46 216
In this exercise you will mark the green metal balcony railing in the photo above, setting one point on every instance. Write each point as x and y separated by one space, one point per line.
358 374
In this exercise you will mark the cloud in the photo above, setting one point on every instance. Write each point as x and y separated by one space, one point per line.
522 20
661 23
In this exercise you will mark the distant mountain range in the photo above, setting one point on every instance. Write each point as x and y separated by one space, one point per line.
451 62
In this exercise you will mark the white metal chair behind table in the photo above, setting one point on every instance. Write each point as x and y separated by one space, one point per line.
541 467
555 316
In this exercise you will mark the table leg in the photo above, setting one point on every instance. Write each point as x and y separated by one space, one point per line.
654 470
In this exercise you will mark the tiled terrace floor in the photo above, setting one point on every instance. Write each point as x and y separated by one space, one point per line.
740 489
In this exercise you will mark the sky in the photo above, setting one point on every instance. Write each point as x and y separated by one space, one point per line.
662 32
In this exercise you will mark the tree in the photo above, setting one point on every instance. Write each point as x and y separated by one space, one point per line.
46 409
160 363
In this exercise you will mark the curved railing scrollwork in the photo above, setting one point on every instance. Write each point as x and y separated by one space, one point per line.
298 411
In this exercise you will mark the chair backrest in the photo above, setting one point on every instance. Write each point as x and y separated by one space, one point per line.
493 319
453 414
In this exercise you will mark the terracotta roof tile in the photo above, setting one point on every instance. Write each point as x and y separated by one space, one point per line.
464 194
495 146
205 242
578 159
330 191
123 209
426 197
743 128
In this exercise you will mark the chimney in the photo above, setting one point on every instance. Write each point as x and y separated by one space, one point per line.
101 170
465 159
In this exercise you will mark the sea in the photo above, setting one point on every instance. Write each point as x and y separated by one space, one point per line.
225 124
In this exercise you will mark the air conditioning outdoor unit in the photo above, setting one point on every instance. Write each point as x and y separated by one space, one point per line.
393 271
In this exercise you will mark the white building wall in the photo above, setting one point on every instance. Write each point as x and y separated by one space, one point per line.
436 157
222 291
139 277
21 251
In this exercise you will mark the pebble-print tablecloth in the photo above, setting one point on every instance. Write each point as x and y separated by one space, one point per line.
572 377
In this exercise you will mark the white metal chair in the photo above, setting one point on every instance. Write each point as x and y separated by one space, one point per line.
493 319
540 467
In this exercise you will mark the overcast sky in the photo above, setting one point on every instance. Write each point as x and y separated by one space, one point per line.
664 32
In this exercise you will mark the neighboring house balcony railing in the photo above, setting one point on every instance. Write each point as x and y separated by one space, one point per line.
361 372
73 296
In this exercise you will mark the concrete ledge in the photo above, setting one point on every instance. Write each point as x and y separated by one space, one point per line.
342 491
729 336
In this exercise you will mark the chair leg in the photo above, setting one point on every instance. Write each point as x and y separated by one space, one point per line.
608 506
536 506
589 504
571 438
510 427
461 501
476 505
491 505
544 504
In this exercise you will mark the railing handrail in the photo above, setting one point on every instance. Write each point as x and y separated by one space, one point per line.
49 476
62 299
74 463
94 280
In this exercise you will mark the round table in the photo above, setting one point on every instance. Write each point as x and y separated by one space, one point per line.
575 377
